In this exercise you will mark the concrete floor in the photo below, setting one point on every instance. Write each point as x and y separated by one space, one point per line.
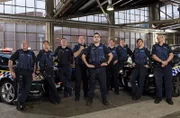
121 106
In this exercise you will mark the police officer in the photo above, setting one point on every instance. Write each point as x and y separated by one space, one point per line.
112 69
45 59
65 59
97 68
141 58
81 69
24 72
123 52
162 54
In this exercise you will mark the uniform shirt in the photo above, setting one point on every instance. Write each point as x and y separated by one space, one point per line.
129 52
147 54
40 55
154 51
78 59
15 56
65 55
114 57
87 51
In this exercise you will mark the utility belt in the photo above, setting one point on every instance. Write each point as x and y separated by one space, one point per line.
20 70
139 65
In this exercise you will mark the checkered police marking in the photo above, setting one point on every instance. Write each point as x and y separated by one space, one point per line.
5 73
175 70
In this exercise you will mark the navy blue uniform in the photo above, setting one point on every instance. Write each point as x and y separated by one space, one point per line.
162 52
24 69
65 59
141 57
46 64
96 56
112 72
81 73
123 53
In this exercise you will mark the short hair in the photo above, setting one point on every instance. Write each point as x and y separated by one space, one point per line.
122 39
46 41
96 33
139 40
112 40
63 38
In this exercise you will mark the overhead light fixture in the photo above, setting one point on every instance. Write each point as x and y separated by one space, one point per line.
110 7
4 0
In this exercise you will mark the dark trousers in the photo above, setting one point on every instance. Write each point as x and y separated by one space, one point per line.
165 72
81 75
138 74
65 72
120 67
24 81
100 74
50 84
112 74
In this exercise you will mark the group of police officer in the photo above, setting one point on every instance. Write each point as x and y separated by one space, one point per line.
93 62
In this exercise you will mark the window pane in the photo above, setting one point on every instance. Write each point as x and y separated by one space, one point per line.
41 28
31 37
40 4
9 9
30 12
162 15
20 10
30 3
74 39
66 30
1 9
82 31
20 28
9 36
169 11
31 28
20 2
58 30
90 18
40 12
74 31
9 27
2 27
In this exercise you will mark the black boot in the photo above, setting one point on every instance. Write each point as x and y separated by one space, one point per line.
169 101
89 101
158 100
77 98
105 102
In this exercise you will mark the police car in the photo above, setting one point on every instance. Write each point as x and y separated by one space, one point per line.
8 91
150 86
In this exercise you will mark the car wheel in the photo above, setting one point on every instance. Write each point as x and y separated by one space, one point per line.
176 85
7 92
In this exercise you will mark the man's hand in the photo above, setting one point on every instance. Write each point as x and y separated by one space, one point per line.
81 47
164 63
104 64
13 75
37 71
90 66
115 62
33 76
146 66
133 64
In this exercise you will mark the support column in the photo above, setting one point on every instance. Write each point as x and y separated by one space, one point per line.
112 20
50 34
154 14
50 8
